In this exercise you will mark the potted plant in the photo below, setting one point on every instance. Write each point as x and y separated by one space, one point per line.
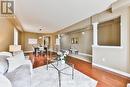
64 57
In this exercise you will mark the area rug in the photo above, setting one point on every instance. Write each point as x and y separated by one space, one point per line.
49 78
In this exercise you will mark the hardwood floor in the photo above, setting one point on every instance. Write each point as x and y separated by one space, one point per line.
105 78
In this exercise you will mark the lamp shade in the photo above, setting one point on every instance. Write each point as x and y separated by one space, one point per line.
14 48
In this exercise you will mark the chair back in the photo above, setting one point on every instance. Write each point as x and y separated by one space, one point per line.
41 48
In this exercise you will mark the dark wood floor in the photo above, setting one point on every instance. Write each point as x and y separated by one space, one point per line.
105 78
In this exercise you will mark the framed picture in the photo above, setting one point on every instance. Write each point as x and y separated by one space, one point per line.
74 40
32 41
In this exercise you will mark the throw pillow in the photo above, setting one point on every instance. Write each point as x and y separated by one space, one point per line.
20 55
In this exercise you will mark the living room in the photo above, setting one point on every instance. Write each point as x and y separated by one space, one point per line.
84 46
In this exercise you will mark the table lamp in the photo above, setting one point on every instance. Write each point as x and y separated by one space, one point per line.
14 48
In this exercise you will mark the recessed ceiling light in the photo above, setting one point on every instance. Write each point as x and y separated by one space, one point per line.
83 33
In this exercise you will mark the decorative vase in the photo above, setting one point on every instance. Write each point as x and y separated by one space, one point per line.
63 61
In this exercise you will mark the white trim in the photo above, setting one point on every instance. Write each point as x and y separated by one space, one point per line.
28 51
80 58
113 70
119 4
95 33
89 55
99 46
85 54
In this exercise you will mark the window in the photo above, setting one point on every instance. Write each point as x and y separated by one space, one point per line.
15 36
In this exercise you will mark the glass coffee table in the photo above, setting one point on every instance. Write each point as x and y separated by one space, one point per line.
61 67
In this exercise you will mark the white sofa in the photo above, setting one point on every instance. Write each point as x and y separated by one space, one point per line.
17 65
7 54
4 81
16 60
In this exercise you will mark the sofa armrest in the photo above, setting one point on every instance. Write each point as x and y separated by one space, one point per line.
30 64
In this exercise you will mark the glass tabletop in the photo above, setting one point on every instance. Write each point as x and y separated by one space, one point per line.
61 66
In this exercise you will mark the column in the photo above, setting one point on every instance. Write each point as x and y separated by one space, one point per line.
95 34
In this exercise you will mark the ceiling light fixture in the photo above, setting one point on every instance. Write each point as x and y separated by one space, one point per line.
40 37
42 28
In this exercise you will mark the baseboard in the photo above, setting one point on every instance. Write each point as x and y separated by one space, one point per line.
81 59
85 54
113 70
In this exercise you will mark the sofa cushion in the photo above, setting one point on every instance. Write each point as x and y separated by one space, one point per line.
4 65
19 55
4 82
16 61
13 64
20 77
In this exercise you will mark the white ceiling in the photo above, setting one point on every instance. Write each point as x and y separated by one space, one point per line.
54 15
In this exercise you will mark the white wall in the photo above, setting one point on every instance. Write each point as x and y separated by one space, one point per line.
84 41
65 42
118 57
114 57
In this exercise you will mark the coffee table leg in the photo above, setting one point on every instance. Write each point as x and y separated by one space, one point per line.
59 74
57 62
47 64
72 71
